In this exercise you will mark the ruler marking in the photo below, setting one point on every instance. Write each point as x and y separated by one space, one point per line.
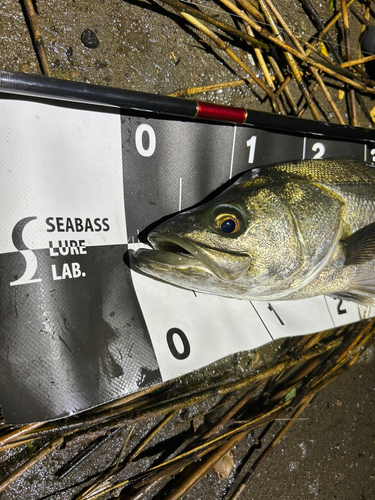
261 319
232 158
180 196
329 312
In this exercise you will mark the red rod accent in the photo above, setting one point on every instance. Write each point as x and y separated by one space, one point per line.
221 113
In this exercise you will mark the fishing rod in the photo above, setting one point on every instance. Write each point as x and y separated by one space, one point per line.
53 88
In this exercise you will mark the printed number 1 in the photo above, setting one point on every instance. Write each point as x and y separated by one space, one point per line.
251 145
271 308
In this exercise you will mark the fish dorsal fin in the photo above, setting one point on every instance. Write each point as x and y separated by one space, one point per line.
359 248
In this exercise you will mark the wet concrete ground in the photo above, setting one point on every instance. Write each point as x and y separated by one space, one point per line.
145 45
330 453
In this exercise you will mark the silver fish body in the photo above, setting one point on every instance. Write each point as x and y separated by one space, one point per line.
287 231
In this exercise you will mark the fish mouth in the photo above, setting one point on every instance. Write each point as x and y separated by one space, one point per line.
171 252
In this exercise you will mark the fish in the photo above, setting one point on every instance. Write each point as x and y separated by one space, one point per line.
286 231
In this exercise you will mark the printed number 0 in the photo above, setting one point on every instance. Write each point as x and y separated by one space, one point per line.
145 129
320 148
172 346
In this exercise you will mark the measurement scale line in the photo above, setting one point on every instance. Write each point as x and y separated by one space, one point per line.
232 158
329 312
261 319
180 196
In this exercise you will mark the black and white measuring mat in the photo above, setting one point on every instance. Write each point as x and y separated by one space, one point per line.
79 181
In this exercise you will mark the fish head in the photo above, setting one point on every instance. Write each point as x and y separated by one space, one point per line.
246 243
208 238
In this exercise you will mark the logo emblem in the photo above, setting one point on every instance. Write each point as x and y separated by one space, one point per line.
29 256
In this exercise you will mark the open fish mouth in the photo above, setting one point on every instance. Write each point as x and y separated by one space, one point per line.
171 251
175 245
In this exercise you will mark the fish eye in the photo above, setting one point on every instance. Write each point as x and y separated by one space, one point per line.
228 223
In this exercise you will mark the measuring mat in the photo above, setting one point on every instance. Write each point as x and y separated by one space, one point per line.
80 183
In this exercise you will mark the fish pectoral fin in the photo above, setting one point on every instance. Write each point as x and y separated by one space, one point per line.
225 265
361 291
359 248
354 297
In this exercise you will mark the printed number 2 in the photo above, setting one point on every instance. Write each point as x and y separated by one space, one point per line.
178 353
320 150
147 130
339 310
251 145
